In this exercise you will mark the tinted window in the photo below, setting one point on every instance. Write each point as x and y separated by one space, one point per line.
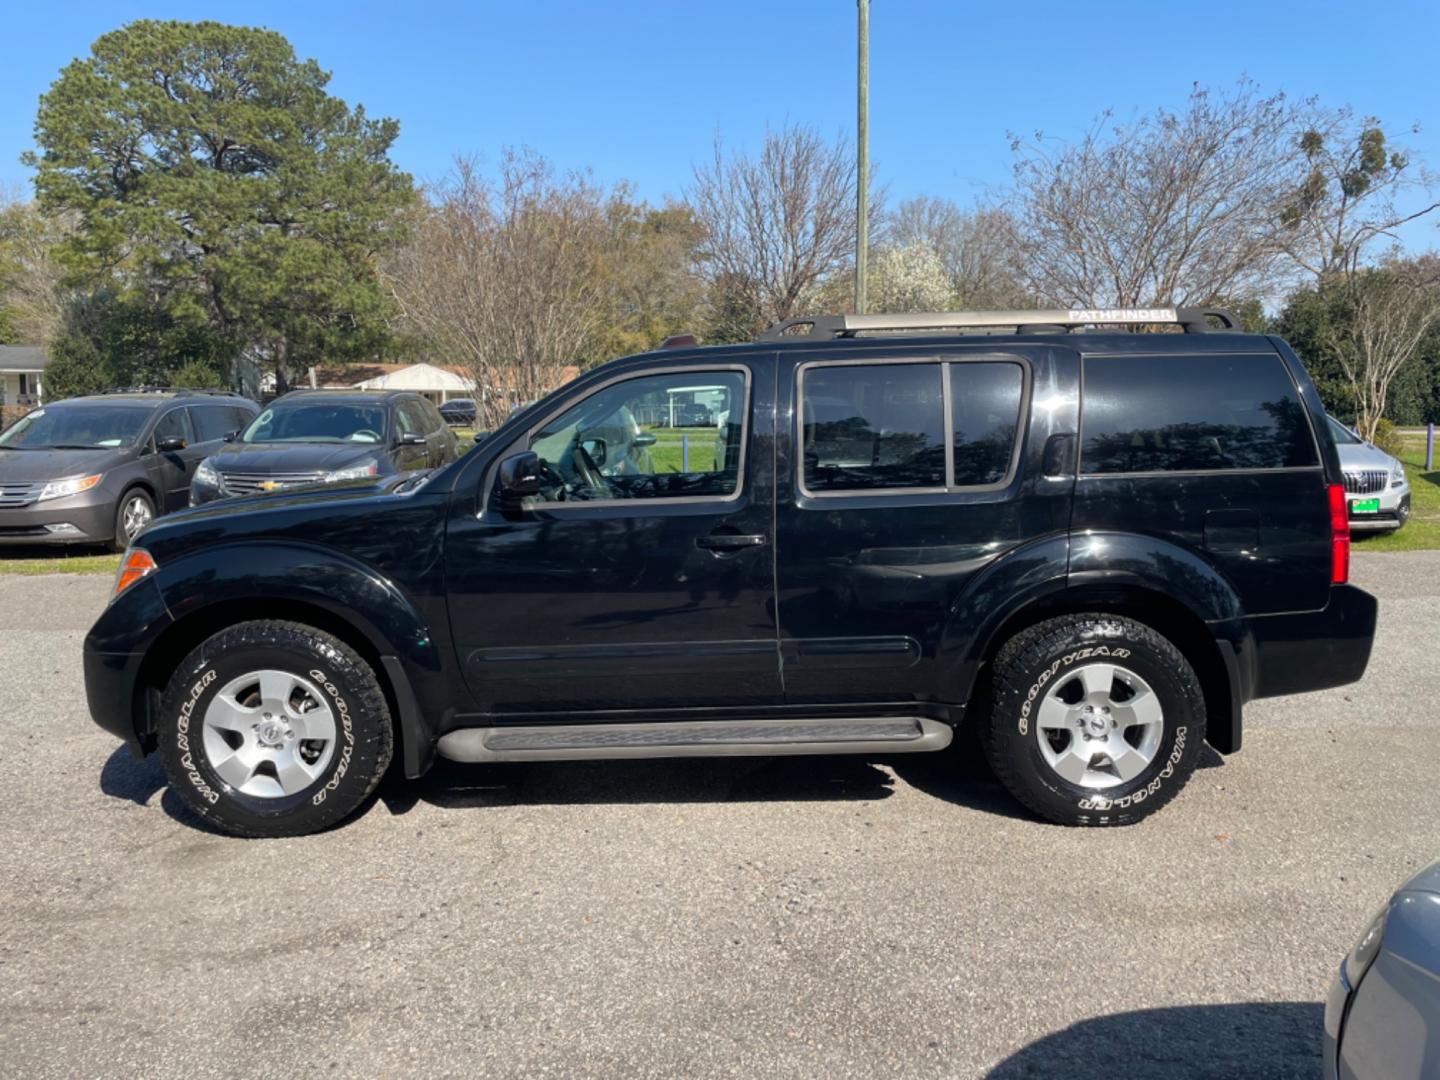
873 426
411 418
1342 434
1172 413
640 439
213 422
985 411
175 422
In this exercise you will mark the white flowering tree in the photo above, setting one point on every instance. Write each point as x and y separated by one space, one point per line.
909 277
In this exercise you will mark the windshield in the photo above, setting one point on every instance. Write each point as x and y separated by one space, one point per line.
1343 435
76 426
318 422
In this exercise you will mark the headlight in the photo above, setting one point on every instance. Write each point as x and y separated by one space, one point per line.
207 475
1359 959
352 472
1397 474
74 485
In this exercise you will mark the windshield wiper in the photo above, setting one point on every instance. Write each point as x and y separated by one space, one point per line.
68 446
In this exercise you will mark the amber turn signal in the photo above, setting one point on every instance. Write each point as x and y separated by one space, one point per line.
136 565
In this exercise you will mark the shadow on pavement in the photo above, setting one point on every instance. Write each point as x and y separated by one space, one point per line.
122 777
1258 1041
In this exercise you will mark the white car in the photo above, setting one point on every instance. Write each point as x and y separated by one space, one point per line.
1375 483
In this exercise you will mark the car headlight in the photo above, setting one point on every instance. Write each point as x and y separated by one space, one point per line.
1397 474
352 472
73 485
1359 958
207 475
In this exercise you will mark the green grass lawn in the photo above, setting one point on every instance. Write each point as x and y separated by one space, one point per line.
1422 533
668 453
31 561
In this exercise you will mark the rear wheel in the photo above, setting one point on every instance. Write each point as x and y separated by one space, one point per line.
274 729
1095 719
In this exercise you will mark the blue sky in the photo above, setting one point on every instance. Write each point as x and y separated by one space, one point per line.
637 90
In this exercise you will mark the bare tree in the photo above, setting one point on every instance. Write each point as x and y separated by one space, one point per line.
504 276
778 225
978 248
1346 200
1392 308
33 298
1174 208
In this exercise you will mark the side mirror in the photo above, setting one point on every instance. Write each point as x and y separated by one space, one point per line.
643 440
519 478
480 436
596 450
231 436
170 444
412 438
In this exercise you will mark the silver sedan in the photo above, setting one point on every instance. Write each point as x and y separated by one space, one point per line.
1382 1018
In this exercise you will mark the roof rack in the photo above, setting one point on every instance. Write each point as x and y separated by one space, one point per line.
1194 320
178 391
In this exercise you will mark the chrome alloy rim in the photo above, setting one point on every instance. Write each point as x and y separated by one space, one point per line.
1100 726
269 733
136 516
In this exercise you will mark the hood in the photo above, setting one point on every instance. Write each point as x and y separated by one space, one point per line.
296 457
300 496
1358 456
29 466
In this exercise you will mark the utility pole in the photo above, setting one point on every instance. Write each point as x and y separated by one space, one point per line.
862 155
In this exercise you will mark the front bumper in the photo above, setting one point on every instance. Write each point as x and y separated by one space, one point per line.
1336 1002
90 517
1393 511
113 659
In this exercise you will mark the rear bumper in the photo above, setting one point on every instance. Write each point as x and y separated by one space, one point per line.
1314 650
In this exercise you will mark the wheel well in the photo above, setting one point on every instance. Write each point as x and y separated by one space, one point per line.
1157 611
172 646
143 485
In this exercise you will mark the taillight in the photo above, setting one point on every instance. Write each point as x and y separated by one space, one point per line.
136 565
1339 535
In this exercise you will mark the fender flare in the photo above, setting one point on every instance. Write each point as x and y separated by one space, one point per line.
346 590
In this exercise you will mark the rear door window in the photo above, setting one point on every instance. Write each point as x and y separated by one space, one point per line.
1147 414
909 426
873 426
212 422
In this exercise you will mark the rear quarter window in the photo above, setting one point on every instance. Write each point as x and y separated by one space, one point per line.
1145 414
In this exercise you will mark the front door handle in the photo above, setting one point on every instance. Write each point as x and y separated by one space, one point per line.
730 541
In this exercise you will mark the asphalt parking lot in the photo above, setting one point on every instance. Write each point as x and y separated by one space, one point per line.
770 917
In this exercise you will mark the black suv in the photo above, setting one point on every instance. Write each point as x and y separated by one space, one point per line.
1094 546
325 437
98 469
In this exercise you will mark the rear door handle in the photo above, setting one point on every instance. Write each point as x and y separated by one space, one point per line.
730 541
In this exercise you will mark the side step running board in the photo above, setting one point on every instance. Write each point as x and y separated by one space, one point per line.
698 738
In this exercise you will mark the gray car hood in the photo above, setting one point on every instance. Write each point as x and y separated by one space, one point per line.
1355 457
28 466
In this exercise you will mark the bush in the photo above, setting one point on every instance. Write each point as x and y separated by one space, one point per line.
1387 438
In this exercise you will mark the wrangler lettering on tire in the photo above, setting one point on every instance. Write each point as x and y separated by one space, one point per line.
274 729
1094 719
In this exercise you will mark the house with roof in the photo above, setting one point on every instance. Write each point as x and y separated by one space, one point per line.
21 368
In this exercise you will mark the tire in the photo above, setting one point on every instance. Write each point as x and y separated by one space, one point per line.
136 502
1078 747
266 778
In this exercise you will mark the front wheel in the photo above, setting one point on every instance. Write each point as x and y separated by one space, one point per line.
274 729
135 511
1095 720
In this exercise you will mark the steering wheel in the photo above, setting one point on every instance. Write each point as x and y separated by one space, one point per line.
356 436
588 474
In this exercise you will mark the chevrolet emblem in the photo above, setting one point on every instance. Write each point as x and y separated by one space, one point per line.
270 485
